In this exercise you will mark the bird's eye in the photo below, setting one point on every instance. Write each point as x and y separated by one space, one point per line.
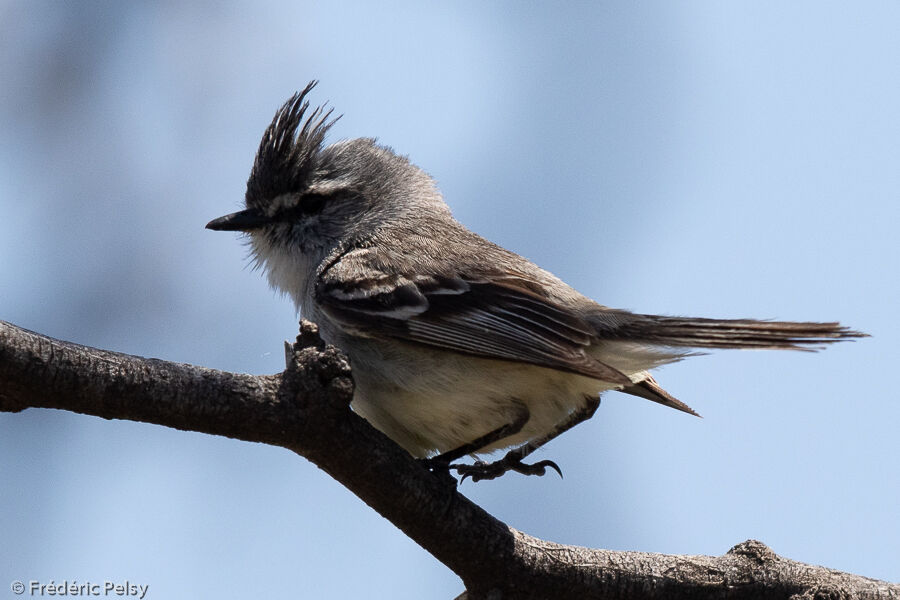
311 204
307 205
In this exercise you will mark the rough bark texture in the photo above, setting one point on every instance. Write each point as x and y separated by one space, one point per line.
306 409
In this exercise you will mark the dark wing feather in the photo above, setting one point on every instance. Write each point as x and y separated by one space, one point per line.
503 319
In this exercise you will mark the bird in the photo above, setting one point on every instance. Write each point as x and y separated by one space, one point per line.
458 346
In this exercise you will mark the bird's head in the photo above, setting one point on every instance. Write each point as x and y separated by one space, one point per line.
303 196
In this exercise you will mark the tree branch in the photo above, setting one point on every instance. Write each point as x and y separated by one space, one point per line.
306 410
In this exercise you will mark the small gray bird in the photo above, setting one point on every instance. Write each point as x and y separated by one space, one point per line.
458 346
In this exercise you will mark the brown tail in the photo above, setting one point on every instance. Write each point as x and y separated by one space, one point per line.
735 333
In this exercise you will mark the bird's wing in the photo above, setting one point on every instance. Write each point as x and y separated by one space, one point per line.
504 318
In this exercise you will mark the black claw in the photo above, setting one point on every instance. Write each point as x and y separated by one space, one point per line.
474 471
540 468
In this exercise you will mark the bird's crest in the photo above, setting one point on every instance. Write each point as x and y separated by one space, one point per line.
287 158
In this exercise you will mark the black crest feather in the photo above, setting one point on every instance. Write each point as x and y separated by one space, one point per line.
286 158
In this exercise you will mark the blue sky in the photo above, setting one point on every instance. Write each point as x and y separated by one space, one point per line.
708 159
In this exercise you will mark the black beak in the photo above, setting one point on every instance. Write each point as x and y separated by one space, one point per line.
245 220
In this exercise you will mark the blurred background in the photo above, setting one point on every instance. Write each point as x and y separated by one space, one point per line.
695 158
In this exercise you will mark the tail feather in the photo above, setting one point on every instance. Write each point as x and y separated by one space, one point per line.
735 333
648 388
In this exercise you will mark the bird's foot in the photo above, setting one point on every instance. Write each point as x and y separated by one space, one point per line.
511 462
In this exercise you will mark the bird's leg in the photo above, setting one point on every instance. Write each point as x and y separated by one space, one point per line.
513 459
442 461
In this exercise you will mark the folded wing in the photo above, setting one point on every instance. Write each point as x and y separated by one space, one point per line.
500 319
